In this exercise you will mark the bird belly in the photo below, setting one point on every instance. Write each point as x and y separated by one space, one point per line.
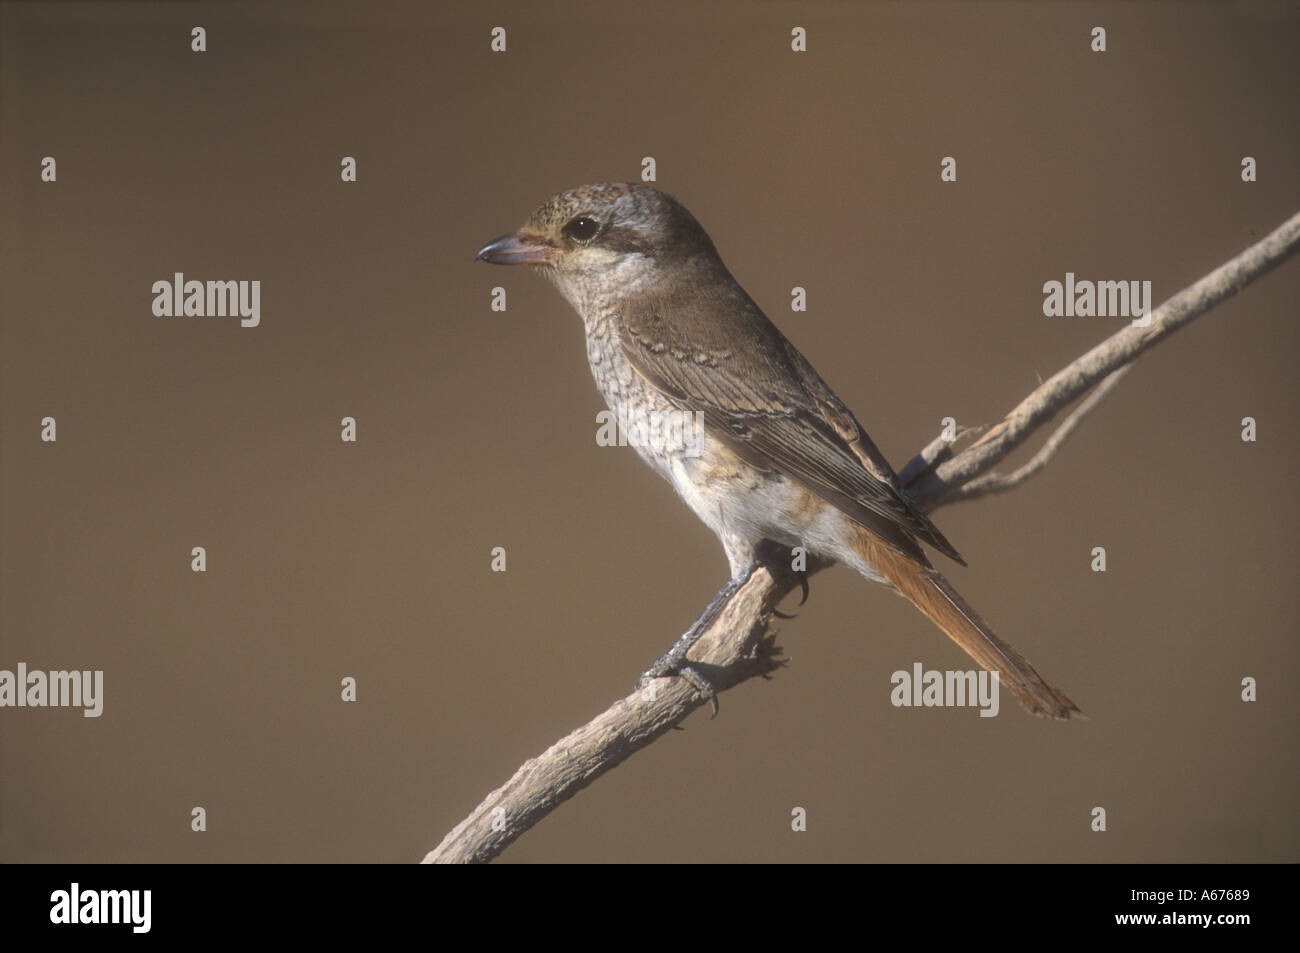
744 505
740 503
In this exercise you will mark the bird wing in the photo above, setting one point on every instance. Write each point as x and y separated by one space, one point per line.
763 399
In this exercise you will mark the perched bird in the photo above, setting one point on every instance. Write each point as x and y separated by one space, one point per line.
781 458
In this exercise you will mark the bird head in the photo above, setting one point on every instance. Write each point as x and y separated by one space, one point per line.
600 237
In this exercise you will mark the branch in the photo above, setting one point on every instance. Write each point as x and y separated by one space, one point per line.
735 648
738 644
942 483
996 483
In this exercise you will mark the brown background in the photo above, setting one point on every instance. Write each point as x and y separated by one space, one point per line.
477 428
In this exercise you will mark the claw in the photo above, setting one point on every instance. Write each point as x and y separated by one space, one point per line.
701 685
697 681
803 584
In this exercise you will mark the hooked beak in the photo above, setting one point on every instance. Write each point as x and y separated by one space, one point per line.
517 248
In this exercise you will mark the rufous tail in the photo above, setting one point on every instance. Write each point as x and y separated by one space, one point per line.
927 589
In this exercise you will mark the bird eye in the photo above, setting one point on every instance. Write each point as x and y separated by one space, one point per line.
582 228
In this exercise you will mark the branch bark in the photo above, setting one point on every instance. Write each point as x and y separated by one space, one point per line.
738 645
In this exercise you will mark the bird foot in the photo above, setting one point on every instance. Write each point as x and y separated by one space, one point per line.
667 665
673 662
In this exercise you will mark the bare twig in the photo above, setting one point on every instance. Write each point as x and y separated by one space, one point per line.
997 483
1119 349
737 645
935 452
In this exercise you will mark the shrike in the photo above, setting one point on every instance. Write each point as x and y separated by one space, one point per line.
781 458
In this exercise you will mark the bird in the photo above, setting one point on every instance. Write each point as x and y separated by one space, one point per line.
670 331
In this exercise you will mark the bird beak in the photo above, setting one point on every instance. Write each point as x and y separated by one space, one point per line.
517 248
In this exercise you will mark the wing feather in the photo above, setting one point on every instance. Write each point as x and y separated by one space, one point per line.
763 399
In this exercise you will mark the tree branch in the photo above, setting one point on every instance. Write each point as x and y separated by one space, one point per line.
1116 351
738 644
997 483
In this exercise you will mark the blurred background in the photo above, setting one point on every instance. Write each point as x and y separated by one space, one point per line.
476 428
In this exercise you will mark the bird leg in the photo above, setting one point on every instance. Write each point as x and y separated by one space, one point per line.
673 662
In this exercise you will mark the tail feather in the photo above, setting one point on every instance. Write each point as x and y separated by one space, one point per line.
927 589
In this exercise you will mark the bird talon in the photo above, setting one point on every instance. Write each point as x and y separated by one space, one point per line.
803 584
668 667
701 686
